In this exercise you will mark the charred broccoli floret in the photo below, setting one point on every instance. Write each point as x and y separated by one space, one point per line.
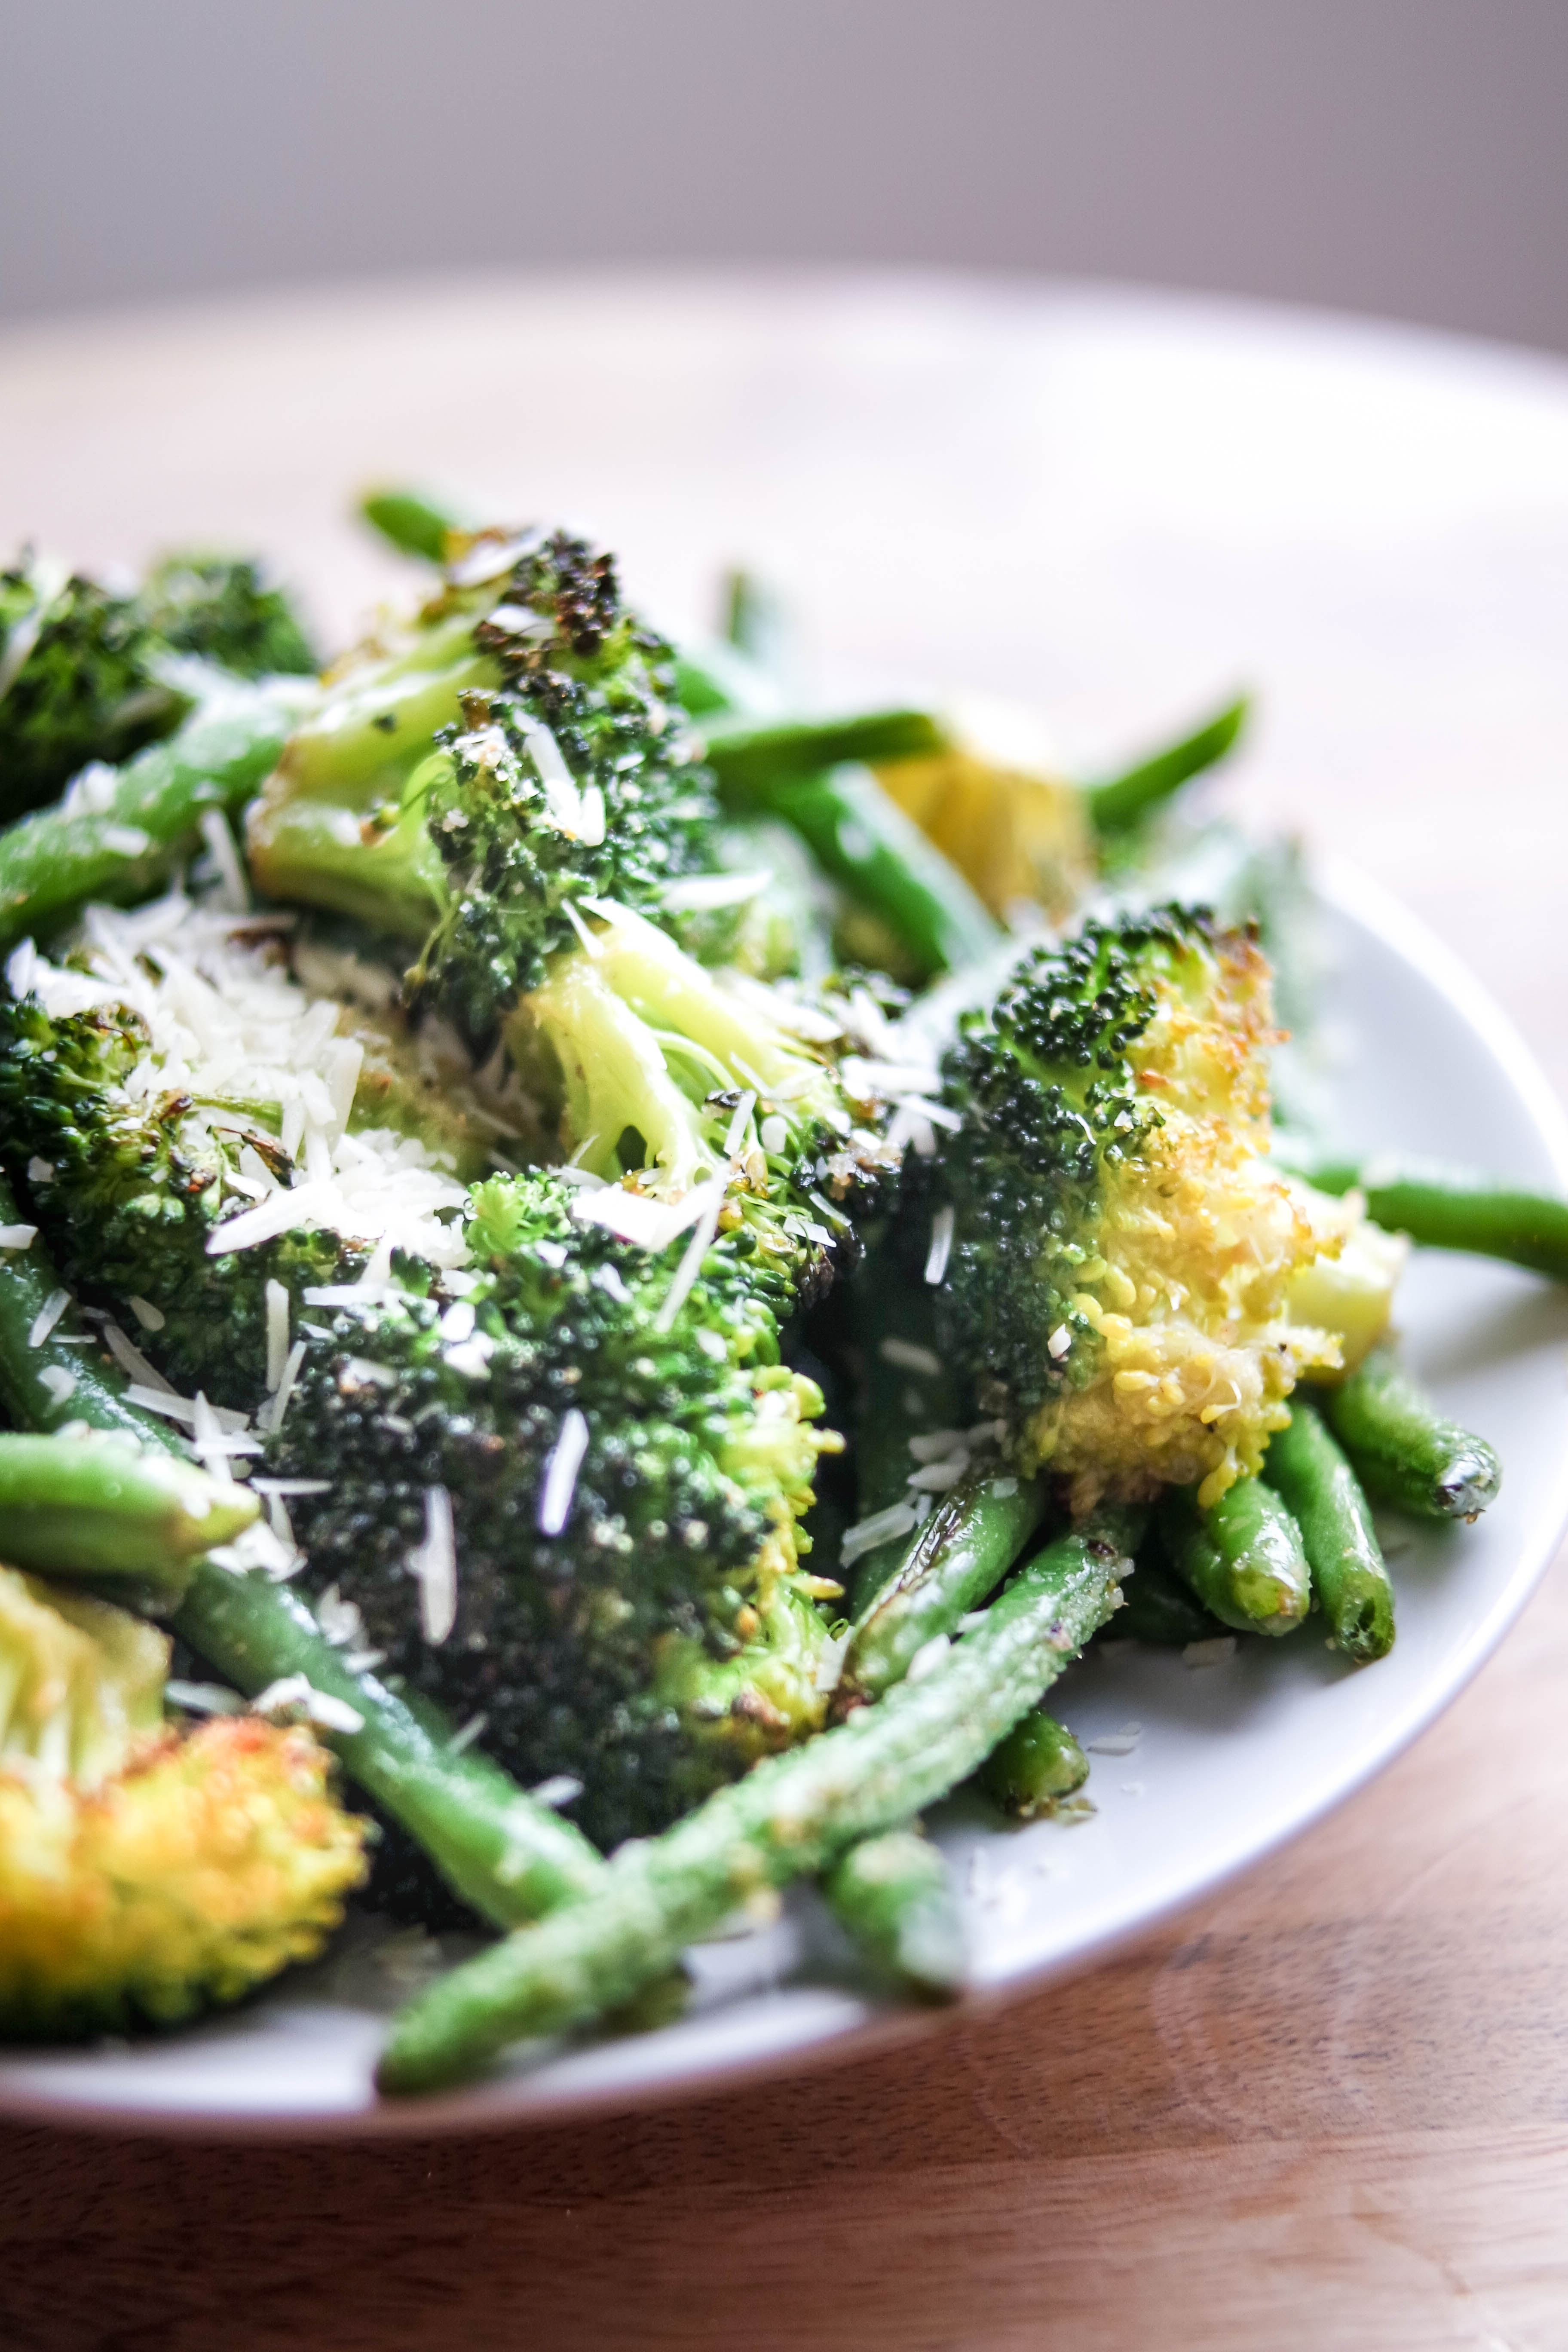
175 1075
86 672
587 1370
145 1874
472 774
1118 1265
597 1483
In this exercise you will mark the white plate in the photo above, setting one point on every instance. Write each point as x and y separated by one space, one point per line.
1230 1760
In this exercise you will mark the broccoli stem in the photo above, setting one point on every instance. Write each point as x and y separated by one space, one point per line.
961 1553
104 1512
1039 1763
791 1815
893 1895
1456 1209
505 1854
51 861
1404 1450
1122 800
1324 1495
1242 1557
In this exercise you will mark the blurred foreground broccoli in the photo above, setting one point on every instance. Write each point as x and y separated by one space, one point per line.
87 674
145 1873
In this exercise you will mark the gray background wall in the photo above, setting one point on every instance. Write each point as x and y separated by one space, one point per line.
1409 156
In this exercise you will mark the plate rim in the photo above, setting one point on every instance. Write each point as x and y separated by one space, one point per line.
495 2106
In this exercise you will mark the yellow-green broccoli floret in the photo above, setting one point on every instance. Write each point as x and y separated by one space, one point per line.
146 1875
1122 1275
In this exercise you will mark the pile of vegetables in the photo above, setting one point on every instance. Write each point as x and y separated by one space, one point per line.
482 1131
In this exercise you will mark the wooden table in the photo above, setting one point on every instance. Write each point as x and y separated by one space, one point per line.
1329 2108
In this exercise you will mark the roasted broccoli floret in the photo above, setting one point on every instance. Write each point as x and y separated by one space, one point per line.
598 1484
1120 1270
77 681
585 1365
471 775
222 609
87 674
176 1074
145 1874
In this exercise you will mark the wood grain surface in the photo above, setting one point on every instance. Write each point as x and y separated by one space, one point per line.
1328 2108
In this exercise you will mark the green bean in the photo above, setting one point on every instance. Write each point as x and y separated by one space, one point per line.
52 861
790 1817
1242 1557
1122 800
510 1857
1321 1491
110 1511
507 1855
961 1554
862 840
1454 1208
750 757
1404 1450
1036 1765
893 1895
413 521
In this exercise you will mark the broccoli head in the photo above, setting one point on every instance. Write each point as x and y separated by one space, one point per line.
471 774
222 609
77 681
1117 1262
87 674
563 1490
146 1875
578 1372
175 1074
676 1078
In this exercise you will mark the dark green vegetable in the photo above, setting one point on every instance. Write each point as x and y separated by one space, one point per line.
109 1511
1037 1764
503 1852
965 1547
790 1817
1323 1496
220 608
76 682
1158 1608
86 675
1454 1208
908 1391
1121 801
52 861
1242 1557
1404 1449
894 1896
